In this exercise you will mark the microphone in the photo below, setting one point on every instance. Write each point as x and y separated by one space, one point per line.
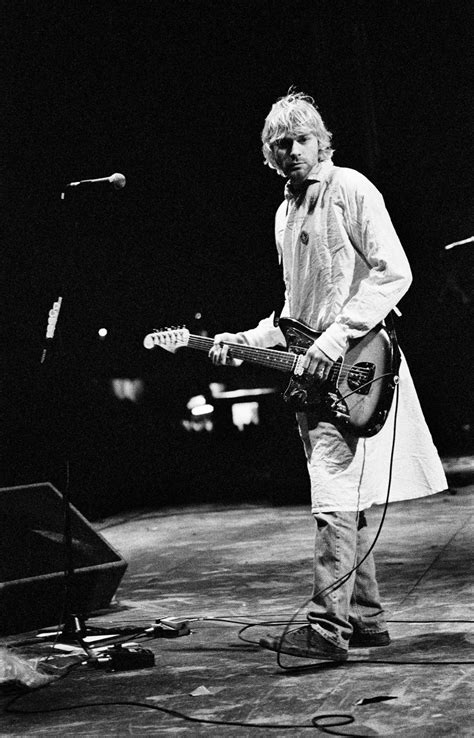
116 180
459 243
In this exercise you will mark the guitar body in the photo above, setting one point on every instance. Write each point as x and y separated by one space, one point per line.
359 392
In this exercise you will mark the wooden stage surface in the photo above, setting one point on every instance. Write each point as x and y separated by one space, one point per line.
221 568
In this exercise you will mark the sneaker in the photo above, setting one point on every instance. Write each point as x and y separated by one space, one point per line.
359 639
305 642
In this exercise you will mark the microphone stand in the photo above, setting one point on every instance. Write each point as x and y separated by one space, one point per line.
73 630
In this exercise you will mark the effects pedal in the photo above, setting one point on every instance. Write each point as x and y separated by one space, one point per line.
121 658
170 629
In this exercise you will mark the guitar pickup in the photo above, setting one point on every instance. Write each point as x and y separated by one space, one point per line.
298 371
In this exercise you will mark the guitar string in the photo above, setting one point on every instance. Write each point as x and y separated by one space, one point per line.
286 360
273 354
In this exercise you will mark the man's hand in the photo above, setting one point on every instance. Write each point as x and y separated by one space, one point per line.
316 362
218 353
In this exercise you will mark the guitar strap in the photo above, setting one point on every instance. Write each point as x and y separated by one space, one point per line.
396 355
281 299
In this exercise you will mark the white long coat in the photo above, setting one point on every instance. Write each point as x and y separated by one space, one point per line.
344 270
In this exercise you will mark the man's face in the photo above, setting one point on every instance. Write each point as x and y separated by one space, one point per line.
296 154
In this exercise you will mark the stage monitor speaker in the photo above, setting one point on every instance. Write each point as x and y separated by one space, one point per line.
33 561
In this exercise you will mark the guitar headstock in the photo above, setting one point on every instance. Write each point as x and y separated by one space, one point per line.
170 339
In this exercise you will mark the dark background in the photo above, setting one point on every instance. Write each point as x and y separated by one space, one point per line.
174 96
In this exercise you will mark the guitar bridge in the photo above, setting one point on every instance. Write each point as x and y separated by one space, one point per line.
360 377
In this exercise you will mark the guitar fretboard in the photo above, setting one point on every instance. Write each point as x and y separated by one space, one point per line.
267 357
284 361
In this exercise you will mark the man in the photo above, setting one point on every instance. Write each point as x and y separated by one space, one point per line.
344 271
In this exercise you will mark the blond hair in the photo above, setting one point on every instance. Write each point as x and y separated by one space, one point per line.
296 113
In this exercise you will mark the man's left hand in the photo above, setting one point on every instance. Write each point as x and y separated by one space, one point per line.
316 362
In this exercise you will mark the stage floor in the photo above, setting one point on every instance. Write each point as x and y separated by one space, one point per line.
221 568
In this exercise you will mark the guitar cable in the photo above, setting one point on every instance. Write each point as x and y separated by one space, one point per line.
344 577
327 723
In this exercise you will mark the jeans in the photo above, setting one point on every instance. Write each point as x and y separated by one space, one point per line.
341 541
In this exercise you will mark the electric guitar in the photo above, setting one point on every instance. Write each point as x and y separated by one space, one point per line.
358 392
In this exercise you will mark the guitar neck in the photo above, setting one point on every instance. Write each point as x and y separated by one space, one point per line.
266 357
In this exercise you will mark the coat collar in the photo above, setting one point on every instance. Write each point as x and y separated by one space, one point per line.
319 173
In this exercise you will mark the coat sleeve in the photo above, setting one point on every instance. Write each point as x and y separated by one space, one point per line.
388 274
